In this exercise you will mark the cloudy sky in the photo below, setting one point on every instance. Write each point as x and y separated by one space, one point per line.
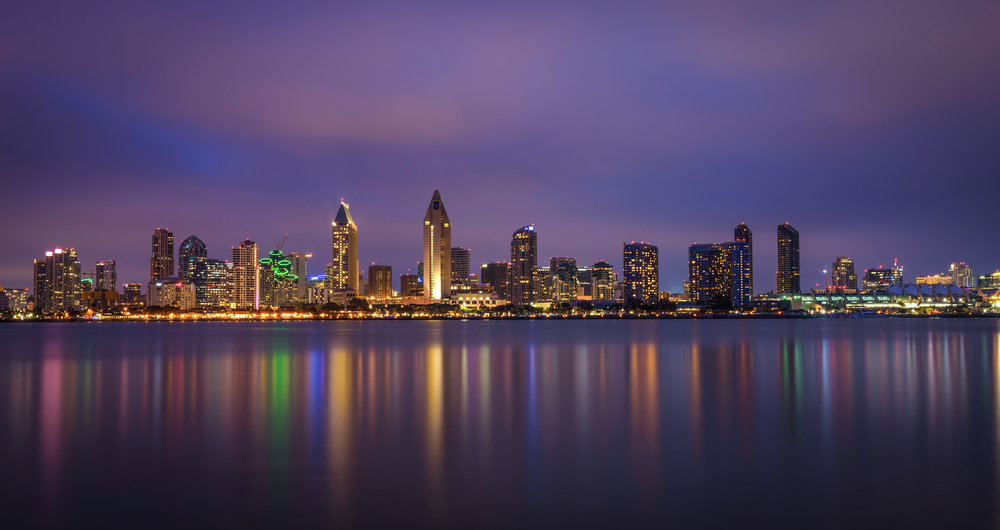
873 127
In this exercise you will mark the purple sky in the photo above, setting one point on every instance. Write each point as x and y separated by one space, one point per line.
872 127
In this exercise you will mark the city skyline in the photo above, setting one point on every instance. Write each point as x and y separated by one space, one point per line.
857 132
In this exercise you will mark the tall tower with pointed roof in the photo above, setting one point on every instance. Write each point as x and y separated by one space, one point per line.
437 250
345 251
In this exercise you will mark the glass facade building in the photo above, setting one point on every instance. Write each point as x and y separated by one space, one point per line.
523 262
161 264
842 275
789 273
437 250
743 233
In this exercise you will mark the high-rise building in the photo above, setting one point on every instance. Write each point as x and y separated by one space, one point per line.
161 264
437 250
380 282
990 281
935 279
602 281
345 264
545 283
641 267
564 273
842 275
789 275
584 282
297 267
61 287
961 275
410 285
13 299
246 277
743 233
190 249
171 291
132 294
40 288
495 275
105 277
460 258
881 279
719 272
218 291
523 261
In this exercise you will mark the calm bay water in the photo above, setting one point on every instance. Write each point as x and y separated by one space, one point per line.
789 423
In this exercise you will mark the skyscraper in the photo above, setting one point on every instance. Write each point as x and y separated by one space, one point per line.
437 250
602 281
345 252
717 273
961 275
495 275
410 285
523 260
641 267
60 289
788 259
564 272
246 277
40 288
743 233
218 289
842 274
161 264
105 277
190 249
460 265
380 282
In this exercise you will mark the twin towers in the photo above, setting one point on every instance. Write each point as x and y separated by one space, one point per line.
344 267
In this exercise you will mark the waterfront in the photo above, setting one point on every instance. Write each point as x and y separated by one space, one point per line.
786 423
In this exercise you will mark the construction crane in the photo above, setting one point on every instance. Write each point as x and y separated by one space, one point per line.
282 244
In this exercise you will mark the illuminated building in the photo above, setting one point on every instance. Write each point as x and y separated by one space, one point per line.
105 277
437 250
842 275
743 233
246 277
523 260
460 258
544 283
297 267
410 285
161 264
345 267
190 249
602 281
132 294
584 280
641 270
961 275
39 279
171 291
495 275
380 282
935 279
218 290
14 299
881 279
719 272
991 281
60 287
564 285
788 260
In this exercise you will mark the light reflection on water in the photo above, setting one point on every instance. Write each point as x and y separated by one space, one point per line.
825 423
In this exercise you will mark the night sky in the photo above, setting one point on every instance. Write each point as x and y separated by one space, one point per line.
872 127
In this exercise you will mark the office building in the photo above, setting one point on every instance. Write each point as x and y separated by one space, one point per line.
584 280
545 284
171 291
842 277
161 264
961 275
641 269
57 282
602 281
495 275
345 266
410 286
13 299
218 288
718 274
298 262
523 262
190 249
132 294
460 258
881 279
437 250
743 233
380 282
564 285
246 277
789 274
105 277
990 281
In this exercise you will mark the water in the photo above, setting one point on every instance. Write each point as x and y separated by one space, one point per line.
889 423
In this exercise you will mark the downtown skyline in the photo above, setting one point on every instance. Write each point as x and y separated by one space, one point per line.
876 130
